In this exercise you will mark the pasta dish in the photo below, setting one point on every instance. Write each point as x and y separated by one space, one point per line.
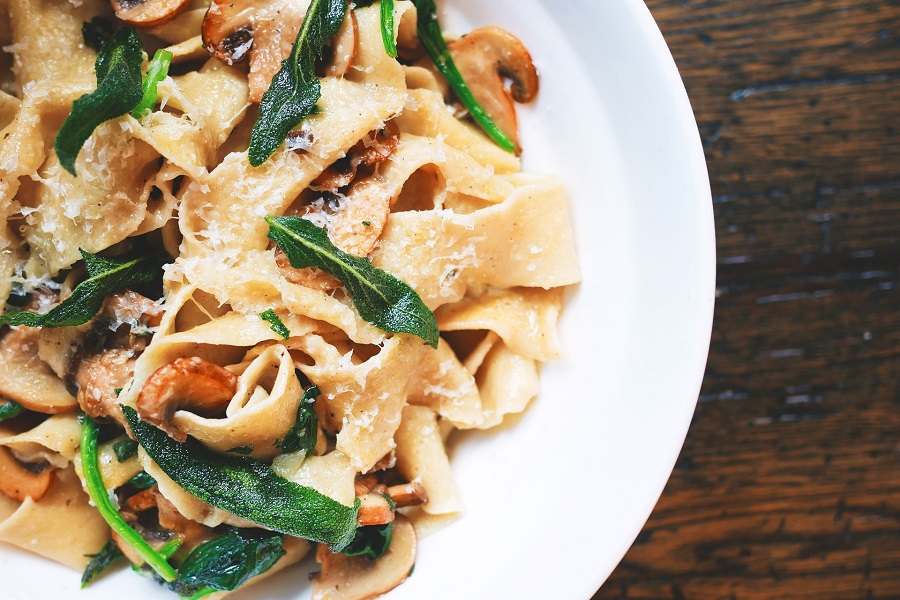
261 260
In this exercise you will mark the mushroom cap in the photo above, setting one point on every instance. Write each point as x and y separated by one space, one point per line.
356 578
148 13
234 30
194 383
489 57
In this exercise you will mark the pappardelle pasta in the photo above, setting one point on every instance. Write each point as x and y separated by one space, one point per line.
261 259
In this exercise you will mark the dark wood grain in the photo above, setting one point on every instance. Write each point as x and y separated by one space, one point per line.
788 485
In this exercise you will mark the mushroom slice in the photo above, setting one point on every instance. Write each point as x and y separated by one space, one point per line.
376 147
374 509
358 226
354 578
408 494
489 57
193 383
99 377
310 277
19 482
265 32
148 13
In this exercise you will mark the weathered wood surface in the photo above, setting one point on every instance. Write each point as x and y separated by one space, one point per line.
788 485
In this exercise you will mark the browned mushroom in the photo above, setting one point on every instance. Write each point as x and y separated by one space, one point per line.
265 32
27 379
375 148
374 509
18 481
408 494
310 277
194 383
358 578
99 378
487 59
148 13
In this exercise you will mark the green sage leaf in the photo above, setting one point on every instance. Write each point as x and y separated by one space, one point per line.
97 32
433 40
10 409
371 541
303 433
142 481
156 72
125 449
109 554
105 276
379 297
227 562
275 323
118 90
295 89
247 488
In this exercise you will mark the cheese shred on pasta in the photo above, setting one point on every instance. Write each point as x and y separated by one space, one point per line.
486 247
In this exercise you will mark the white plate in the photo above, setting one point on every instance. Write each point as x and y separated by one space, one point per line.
556 497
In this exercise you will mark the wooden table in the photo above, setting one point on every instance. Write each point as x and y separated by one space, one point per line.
788 485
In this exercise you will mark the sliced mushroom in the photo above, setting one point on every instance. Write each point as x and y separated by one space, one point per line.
355 578
99 378
193 383
489 57
358 227
148 13
408 494
19 482
375 148
374 509
27 379
265 32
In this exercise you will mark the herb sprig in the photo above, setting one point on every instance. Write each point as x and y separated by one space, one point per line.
433 40
295 89
105 276
379 297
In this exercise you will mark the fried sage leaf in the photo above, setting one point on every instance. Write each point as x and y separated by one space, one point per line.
109 554
105 276
247 488
295 89
227 562
303 433
118 91
371 541
433 40
380 298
